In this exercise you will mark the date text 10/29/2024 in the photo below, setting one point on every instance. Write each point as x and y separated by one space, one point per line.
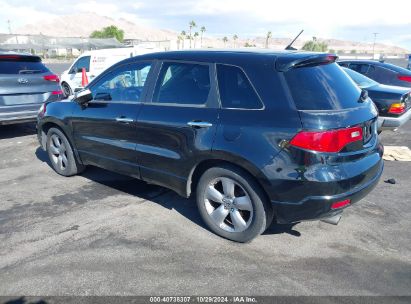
202 299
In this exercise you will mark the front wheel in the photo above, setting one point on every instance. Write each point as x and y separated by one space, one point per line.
61 154
66 89
232 204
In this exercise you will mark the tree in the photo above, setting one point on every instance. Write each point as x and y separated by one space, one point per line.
225 40
315 46
196 34
235 37
111 31
353 52
183 37
191 25
267 38
202 30
247 44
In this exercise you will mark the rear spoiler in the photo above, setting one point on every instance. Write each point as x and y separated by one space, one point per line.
19 57
297 60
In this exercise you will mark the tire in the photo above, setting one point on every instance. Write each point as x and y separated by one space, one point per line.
66 89
232 204
61 154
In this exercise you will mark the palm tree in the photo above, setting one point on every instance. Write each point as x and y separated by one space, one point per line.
196 34
183 37
202 30
191 25
269 35
225 40
235 37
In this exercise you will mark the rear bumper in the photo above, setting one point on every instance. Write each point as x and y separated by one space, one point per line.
18 117
319 207
390 123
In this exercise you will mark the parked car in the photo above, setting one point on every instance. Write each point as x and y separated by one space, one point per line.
253 135
25 83
384 73
393 103
95 62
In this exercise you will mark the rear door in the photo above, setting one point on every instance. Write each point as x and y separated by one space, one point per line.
105 130
327 98
176 127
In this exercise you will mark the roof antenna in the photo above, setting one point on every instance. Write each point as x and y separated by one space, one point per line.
289 47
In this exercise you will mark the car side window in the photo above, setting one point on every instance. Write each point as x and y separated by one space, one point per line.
183 83
83 62
236 91
126 83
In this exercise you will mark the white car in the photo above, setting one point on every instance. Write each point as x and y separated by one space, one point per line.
95 62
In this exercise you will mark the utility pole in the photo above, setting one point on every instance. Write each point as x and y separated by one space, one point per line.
9 24
373 46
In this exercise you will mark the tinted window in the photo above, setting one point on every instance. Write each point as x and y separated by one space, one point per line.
183 83
123 84
235 89
323 87
360 68
22 67
83 62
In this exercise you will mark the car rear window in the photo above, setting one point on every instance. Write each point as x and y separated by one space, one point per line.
322 87
30 65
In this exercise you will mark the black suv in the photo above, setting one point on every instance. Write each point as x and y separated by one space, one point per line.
256 136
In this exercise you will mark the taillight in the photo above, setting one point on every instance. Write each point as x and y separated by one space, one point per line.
404 78
57 92
327 141
51 77
338 205
397 108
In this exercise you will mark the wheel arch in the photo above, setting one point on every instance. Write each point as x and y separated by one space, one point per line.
239 163
46 126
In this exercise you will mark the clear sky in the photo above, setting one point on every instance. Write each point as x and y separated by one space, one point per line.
350 19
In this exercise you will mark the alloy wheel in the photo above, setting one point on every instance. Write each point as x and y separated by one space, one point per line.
58 152
228 204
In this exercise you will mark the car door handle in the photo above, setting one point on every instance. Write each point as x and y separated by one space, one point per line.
124 120
199 124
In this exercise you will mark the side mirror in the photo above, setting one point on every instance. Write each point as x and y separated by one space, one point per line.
83 97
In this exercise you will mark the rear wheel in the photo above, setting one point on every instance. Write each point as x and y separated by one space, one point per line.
232 204
61 154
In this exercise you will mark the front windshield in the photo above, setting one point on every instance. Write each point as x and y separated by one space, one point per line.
361 80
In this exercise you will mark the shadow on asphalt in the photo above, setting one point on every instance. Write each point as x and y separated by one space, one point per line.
156 194
23 300
17 130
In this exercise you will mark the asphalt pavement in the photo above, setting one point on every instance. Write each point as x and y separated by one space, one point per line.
101 233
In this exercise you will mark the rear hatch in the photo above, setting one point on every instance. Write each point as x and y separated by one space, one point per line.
25 80
328 100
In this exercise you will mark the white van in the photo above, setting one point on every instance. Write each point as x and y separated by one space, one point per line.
95 62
